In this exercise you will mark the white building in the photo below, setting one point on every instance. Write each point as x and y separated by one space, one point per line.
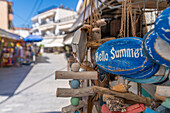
51 24
24 32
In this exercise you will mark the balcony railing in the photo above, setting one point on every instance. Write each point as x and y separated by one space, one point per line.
66 19
51 20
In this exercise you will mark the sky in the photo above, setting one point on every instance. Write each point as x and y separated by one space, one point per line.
25 9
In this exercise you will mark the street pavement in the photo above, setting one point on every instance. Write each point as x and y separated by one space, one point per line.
32 89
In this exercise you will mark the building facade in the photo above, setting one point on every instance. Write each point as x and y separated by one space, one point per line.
52 24
6 15
23 32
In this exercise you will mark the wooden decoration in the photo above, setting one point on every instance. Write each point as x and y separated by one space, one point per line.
96 29
101 22
106 96
75 67
75 84
85 75
74 101
144 74
156 49
67 92
160 97
85 28
72 109
122 56
163 91
157 78
120 88
79 44
151 80
162 26
81 92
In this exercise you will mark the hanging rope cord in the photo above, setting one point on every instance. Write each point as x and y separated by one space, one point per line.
84 12
126 13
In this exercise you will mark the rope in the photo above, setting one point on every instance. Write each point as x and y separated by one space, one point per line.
84 12
122 22
132 22
125 18
128 8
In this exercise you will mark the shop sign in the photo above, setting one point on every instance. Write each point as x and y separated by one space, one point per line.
122 56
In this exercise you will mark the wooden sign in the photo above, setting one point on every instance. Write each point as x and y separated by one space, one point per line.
153 79
150 80
164 82
79 44
122 56
162 28
156 49
163 91
166 72
144 74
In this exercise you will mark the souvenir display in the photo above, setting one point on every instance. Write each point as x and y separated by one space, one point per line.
156 49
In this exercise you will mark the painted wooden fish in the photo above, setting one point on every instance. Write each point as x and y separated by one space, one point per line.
162 25
156 49
158 77
144 74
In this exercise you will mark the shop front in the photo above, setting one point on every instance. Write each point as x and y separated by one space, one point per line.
11 49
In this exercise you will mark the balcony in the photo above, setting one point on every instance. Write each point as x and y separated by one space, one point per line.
66 19
47 21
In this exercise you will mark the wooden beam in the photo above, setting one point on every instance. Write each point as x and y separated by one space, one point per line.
84 75
72 109
163 91
80 92
106 96
66 92
160 97
96 44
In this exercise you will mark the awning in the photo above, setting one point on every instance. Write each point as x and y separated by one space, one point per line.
9 35
44 41
33 38
55 43
113 5
68 39
79 20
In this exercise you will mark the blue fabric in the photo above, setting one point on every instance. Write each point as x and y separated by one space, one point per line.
33 38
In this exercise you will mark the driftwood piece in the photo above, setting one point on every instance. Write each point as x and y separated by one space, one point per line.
85 99
80 92
163 91
66 92
72 109
96 44
160 97
85 75
106 96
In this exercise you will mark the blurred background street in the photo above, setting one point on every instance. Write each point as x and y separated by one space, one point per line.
32 88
